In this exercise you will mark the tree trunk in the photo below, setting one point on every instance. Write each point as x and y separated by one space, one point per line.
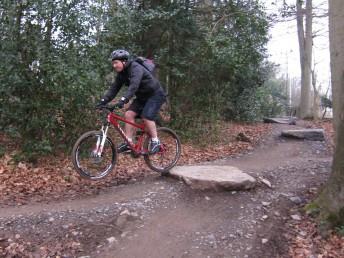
100 22
316 97
19 16
305 38
331 200
49 25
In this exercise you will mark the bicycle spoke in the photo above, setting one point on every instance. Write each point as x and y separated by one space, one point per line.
169 154
88 160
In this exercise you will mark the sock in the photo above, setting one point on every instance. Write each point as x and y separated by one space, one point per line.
156 139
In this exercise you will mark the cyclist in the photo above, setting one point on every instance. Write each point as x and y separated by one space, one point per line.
149 96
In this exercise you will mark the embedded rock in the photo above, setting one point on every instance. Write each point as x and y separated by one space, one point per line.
307 134
214 177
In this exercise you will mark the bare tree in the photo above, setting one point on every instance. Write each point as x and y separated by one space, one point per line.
305 38
316 94
306 15
331 200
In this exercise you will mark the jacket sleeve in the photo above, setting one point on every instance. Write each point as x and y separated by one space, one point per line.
114 89
135 78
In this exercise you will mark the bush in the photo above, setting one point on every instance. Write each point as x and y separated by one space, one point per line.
55 63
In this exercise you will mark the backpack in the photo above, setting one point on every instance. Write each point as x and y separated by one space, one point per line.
146 63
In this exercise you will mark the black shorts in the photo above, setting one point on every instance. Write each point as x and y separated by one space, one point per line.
148 108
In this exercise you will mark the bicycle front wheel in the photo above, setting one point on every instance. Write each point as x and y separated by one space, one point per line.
85 159
169 153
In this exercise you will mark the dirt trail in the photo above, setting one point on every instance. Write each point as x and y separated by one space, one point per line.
162 217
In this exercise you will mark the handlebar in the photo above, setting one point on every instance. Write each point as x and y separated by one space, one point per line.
108 108
105 111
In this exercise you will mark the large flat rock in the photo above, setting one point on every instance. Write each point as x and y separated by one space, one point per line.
280 120
214 177
307 134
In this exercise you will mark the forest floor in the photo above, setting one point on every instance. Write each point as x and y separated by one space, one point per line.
46 210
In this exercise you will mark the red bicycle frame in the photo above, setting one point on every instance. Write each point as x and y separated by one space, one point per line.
137 148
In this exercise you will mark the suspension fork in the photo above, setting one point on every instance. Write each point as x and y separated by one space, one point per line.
100 143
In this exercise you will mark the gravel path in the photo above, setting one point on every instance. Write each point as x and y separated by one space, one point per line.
162 217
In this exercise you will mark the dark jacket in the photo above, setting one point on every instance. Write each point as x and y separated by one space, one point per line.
140 81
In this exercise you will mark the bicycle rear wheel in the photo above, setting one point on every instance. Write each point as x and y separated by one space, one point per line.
169 153
84 158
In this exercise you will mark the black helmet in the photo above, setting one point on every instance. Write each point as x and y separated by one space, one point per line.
119 54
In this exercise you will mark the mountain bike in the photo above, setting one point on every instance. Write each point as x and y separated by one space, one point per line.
94 154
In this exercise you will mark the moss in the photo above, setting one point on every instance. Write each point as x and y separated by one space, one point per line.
312 209
326 220
336 219
340 230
